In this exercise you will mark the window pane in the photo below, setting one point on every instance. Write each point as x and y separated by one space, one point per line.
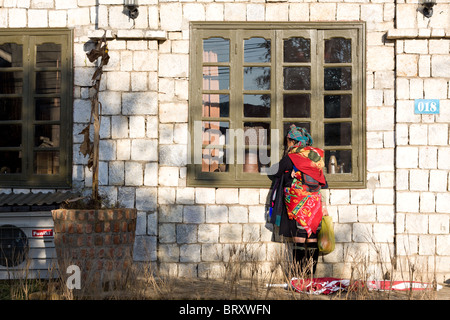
10 162
297 78
48 82
297 105
256 133
214 132
257 105
11 82
48 55
216 78
339 161
287 125
216 50
256 161
338 78
338 134
11 135
256 78
338 106
257 50
46 162
48 109
216 105
10 108
46 136
214 160
11 55
297 50
338 50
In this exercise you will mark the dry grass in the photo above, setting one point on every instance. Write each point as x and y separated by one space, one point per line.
240 277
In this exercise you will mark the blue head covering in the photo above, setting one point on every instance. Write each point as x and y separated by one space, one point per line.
300 135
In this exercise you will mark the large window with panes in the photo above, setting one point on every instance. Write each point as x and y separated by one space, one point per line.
35 107
249 82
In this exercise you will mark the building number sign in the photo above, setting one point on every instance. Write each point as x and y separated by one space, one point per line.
426 106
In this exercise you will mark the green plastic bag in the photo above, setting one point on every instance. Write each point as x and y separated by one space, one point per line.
326 241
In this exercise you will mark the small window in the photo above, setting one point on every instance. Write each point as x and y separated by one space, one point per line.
250 82
35 108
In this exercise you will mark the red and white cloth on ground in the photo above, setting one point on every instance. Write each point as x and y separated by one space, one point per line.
331 285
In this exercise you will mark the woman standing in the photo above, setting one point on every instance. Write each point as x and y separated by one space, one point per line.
297 205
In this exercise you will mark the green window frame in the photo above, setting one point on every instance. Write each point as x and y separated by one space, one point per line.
36 98
250 76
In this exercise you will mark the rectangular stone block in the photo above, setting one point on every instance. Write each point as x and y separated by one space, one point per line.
231 233
194 214
407 201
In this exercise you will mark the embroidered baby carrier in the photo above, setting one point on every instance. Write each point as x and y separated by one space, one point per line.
302 198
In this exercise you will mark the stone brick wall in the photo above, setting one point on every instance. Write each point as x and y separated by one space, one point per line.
422 153
189 231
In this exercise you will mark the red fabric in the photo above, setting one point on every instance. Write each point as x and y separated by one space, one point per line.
305 207
303 163
330 285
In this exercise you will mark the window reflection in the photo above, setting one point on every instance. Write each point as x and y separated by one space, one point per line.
256 133
257 105
10 162
216 78
214 160
297 50
256 78
297 105
48 55
46 136
46 162
11 135
10 55
48 82
216 105
257 50
48 109
214 132
338 50
10 109
216 50
11 82
256 160
339 78
338 106
297 78
338 134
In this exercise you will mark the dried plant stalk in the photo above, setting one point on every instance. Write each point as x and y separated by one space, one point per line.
87 147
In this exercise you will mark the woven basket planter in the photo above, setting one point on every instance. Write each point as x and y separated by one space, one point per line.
99 242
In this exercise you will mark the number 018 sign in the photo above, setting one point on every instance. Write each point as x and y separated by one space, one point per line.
426 106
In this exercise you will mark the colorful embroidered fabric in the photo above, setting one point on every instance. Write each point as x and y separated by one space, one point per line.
304 206
310 161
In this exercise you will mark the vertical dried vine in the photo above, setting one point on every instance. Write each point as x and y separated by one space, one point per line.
88 147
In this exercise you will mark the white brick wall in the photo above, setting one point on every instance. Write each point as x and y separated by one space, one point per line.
422 185
144 142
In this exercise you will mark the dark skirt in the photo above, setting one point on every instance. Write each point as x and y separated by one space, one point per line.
290 228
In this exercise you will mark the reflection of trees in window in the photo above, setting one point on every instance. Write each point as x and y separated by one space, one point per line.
339 78
338 50
257 50
297 50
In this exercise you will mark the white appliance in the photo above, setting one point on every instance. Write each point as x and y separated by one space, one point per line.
27 249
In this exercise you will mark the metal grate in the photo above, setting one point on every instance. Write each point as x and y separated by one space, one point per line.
13 246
